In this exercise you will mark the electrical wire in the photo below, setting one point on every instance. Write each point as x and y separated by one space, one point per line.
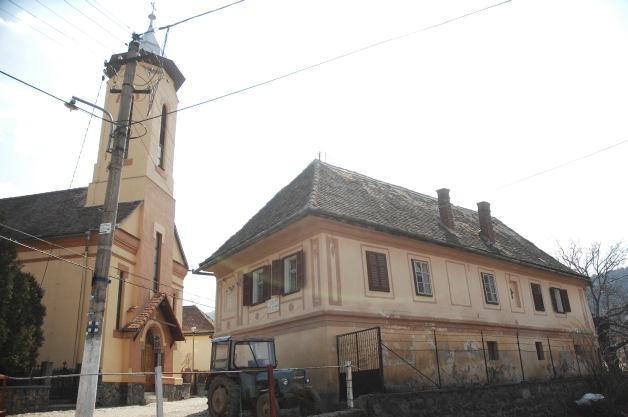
562 165
54 245
91 269
42 33
111 14
75 27
100 11
48 24
32 86
198 15
111 34
331 59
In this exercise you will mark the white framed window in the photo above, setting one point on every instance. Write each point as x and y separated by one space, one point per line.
258 286
290 274
490 290
422 278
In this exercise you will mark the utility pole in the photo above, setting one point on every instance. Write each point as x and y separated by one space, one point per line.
86 400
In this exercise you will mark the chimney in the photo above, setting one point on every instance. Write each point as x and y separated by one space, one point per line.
486 222
444 208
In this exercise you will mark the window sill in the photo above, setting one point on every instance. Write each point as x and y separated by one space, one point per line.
290 293
425 295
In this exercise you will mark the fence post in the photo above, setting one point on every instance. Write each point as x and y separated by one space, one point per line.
3 413
46 370
520 359
440 384
549 346
349 385
485 363
159 391
271 391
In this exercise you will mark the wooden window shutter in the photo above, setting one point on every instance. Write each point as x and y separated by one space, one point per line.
266 285
247 294
277 278
565 299
537 296
377 269
300 270
553 297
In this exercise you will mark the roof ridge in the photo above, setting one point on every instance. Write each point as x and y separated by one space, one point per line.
47 192
315 181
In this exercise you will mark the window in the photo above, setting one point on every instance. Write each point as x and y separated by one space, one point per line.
377 271
256 286
287 274
537 296
539 351
162 137
119 305
220 354
156 261
422 277
493 354
490 291
253 354
560 300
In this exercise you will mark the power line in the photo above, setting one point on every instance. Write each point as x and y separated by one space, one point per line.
41 32
100 11
48 24
330 60
73 25
94 22
198 15
111 14
560 166
32 86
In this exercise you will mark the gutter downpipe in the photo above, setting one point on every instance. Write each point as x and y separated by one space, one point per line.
81 297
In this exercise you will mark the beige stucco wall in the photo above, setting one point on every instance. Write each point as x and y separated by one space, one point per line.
201 345
336 299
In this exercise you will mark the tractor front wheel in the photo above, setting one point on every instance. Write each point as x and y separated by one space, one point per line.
262 409
223 397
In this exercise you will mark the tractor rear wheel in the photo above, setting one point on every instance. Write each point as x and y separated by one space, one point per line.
223 397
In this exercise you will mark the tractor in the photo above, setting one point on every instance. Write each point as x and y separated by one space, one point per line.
238 379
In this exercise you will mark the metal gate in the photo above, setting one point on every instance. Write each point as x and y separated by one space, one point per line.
364 350
64 390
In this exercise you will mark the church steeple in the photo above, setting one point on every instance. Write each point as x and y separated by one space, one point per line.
149 42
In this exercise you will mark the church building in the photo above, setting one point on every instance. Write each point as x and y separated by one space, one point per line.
59 234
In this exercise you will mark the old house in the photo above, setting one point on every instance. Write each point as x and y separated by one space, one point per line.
335 251
148 265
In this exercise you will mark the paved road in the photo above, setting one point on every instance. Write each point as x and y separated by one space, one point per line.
193 407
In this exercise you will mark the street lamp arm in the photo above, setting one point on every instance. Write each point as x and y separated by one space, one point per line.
72 106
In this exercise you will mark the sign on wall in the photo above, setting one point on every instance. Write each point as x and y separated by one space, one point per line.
273 305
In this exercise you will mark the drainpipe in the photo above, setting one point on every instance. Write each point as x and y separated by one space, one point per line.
80 314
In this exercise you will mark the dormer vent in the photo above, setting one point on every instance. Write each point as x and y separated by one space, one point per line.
444 208
486 222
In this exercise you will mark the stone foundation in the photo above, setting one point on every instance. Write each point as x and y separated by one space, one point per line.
110 394
530 399
27 399
176 392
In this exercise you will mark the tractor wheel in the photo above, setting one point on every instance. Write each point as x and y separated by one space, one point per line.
223 397
310 404
262 409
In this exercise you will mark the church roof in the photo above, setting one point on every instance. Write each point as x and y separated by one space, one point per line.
57 213
335 193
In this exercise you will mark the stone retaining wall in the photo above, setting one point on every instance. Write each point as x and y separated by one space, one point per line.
27 399
110 394
531 399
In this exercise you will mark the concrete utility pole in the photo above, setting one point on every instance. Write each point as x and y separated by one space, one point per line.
86 400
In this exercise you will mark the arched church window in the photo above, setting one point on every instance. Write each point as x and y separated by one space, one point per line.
162 137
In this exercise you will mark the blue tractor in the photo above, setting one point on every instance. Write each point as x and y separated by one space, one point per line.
238 380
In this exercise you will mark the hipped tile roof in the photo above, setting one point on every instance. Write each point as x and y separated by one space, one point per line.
147 313
194 317
331 192
57 213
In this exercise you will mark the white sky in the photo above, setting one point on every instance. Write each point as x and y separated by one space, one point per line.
472 105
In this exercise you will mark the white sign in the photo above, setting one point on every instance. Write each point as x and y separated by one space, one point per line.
229 301
105 228
273 305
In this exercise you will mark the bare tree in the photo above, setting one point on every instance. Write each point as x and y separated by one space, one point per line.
606 294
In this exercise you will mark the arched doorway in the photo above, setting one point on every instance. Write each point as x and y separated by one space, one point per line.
152 348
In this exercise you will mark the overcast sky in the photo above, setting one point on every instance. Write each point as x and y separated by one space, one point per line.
473 105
